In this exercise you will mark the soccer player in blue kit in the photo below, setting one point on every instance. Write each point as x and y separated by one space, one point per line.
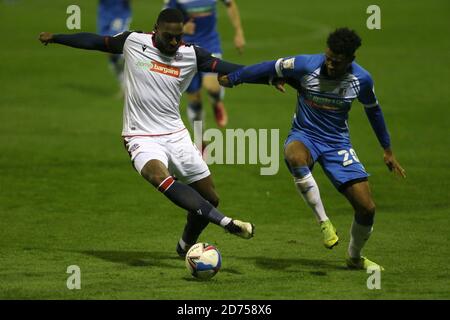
327 84
200 29
114 17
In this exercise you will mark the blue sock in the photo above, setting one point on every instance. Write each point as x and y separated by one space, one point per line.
300 172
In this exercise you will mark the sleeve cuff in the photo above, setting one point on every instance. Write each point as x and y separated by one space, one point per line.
278 69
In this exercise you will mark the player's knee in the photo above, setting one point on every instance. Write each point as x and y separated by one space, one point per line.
211 85
296 160
154 177
366 214
157 179
368 208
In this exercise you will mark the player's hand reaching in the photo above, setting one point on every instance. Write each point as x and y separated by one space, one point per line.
46 37
392 163
224 81
279 84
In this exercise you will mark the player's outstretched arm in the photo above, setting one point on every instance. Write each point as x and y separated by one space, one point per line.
207 63
375 115
376 119
262 73
87 41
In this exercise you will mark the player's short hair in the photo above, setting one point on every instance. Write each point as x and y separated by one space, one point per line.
344 41
170 15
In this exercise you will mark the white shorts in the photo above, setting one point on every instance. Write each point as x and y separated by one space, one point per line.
177 151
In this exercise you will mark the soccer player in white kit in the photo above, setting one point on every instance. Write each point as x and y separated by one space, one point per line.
158 68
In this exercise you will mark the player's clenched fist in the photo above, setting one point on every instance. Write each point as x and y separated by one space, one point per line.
46 37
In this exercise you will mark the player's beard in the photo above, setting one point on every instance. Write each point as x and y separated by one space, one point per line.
171 51
166 49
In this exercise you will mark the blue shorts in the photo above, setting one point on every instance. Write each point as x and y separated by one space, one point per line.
339 162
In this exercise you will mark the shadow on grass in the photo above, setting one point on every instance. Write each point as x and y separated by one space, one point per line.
137 258
145 259
294 265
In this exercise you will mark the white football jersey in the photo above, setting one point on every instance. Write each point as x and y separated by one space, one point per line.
154 84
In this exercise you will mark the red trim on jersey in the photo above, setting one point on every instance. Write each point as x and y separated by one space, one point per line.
106 39
153 135
166 184
214 64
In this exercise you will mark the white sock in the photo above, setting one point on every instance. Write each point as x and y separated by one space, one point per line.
359 235
308 189
225 221
182 244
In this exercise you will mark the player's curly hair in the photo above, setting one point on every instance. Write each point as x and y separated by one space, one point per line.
170 15
344 41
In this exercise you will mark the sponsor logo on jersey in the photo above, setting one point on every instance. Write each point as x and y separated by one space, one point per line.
325 103
165 69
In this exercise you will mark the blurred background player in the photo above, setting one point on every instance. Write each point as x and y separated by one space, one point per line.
113 17
326 85
201 29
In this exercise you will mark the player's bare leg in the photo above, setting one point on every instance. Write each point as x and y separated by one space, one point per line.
189 199
195 223
299 159
216 93
360 197
155 172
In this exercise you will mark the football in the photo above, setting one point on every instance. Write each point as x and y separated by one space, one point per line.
203 261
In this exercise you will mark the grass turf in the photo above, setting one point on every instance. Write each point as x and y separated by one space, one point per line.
68 194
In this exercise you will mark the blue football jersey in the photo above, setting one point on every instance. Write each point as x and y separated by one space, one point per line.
203 13
114 8
113 16
324 103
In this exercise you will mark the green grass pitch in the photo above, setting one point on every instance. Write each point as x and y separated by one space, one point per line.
69 196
